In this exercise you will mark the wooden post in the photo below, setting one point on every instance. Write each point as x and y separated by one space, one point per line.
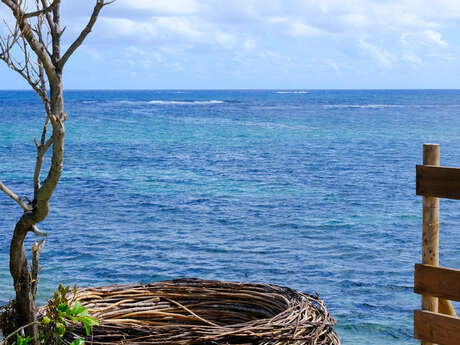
430 236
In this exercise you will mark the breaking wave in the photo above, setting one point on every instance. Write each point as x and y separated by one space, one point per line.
292 92
379 106
173 102
213 101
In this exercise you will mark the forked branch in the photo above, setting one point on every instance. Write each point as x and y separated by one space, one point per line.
85 32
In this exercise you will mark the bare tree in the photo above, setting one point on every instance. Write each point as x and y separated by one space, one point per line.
32 48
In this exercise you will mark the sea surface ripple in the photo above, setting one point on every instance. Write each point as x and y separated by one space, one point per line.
303 188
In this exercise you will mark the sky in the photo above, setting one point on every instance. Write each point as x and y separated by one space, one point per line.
261 44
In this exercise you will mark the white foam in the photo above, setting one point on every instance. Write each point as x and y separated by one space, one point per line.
213 101
378 106
292 92
164 102
363 106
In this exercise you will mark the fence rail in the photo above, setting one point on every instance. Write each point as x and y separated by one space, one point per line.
436 328
436 323
439 182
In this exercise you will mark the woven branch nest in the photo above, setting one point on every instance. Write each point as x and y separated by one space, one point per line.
194 311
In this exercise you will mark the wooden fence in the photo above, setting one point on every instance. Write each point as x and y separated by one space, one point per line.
436 323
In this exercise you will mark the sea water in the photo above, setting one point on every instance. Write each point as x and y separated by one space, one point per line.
309 189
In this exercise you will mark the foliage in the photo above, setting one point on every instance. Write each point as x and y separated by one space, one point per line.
22 341
53 324
59 313
78 341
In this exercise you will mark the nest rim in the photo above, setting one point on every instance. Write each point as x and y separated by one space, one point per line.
195 311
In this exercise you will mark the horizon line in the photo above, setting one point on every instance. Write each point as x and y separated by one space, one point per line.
256 89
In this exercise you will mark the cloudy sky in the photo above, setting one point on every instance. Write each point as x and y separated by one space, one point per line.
292 44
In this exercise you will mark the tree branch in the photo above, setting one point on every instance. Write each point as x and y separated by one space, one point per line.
27 33
43 11
36 251
84 33
5 341
42 148
38 232
49 19
15 197
11 4
57 140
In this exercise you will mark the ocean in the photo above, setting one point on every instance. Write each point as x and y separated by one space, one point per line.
311 189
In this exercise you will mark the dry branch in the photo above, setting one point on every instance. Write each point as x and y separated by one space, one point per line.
85 32
15 197
44 10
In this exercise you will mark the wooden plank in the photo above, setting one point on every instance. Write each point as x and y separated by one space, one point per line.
437 281
430 227
436 328
440 182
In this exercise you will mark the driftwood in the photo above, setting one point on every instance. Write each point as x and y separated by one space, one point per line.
194 311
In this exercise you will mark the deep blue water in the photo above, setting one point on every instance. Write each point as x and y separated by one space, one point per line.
312 190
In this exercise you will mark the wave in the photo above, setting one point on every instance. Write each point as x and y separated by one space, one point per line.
362 106
213 101
378 106
291 92
173 102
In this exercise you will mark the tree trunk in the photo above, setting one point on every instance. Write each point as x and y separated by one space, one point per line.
25 302
19 268
31 35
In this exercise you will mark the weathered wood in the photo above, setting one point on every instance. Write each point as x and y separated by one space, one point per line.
437 281
436 328
430 235
445 307
440 182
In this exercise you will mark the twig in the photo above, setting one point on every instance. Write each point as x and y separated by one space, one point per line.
42 148
43 11
38 232
15 197
97 8
5 341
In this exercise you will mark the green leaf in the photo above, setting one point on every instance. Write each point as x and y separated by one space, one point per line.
22 341
46 320
60 329
78 341
87 322
79 310
63 307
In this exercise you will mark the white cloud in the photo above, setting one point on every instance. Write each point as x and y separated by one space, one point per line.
123 27
225 40
278 20
380 55
156 7
358 20
249 44
412 59
425 38
283 32
434 38
300 29
177 25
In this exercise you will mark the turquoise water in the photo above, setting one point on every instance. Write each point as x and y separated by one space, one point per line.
313 190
